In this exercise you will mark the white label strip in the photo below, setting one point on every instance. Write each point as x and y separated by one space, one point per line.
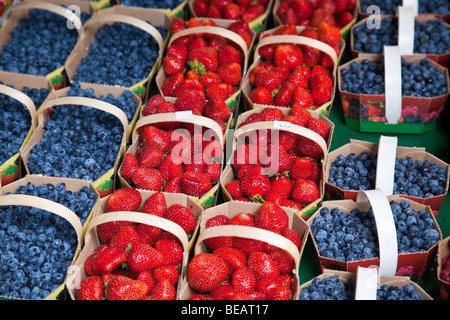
281 124
184 114
366 283
387 152
412 3
387 234
392 83
406 30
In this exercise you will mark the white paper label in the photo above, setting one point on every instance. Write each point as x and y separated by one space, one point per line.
281 124
387 150
387 234
393 83
184 114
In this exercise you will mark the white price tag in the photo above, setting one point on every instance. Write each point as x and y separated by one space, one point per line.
184 114
281 124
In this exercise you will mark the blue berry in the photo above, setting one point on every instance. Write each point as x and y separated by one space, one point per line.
155 4
328 289
390 6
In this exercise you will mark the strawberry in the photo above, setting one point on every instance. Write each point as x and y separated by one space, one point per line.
88 264
150 156
267 287
254 184
170 83
147 278
148 179
311 56
173 185
144 257
219 90
230 73
172 252
271 217
243 280
109 259
179 52
209 78
318 126
231 11
283 260
304 168
261 95
234 189
287 55
151 135
182 216
282 293
302 9
187 84
205 271
345 18
152 104
91 288
262 265
195 183
169 272
218 242
308 148
213 171
129 165
252 12
291 204
196 43
190 100
299 77
163 290
107 230
233 258
169 168
305 191
302 98
247 154
155 204
328 32
124 199
287 139
178 24
301 114
293 236
123 288
282 186
217 109
172 65
321 94
242 219
147 233
201 60
290 17
222 292
126 236
269 79
247 245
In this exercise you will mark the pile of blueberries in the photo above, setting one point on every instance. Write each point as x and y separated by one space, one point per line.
154 4
418 79
415 178
122 54
80 202
39 44
79 142
353 236
15 121
390 6
430 37
124 101
36 248
331 289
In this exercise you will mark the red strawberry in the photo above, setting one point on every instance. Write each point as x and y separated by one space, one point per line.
282 293
345 18
125 237
328 32
91 288
206 58
302 98
129 165
217 109
300 113
222 292
287 55
269 79
151 135
179 52
293 236
287 139
168 272
262 265
172 65
148 179
233 258
243 280
305 191
150 156
230 73
290 17
152 104
308 148
124 288
143 257
234 189
218 242
283 260
231 11
277 160
219 90
261 95
171 250
108 259
209 78
318 126
283 186
124 199
205 271
302 9
190 100
155 204
213 171
271 217
148 233
182 216
88 264
173 185
299 77
196 42
252 12
170 83
267 287
247 245
195 183
304 168
227 54
147 278
247 154
187 84
291 204
169 168
254 184
242 219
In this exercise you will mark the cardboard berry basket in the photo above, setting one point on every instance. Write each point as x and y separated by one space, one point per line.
73 185
54 209
442 59
357 147
366 292
103 90
344 30
232 101
105 184
257 25
443 251
88 36
179 11
78 7
233 208
77 273
242 132
257 59
389 260
12 16
426 110
210 197
10 170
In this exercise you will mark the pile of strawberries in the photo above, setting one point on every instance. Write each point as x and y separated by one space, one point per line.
338 13
278 165
136 261
174 157
291 74
209 64
239 268
247 10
